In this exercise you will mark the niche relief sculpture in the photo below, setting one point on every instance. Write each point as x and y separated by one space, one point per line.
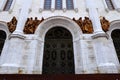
12 24
85 25
31 25
105 24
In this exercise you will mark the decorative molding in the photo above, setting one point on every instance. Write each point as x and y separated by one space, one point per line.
40 10
76 10
62 21
21 36
113 26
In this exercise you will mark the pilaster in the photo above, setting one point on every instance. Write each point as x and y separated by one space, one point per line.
93 14
52 5
64 5
23 16
99 40
41 5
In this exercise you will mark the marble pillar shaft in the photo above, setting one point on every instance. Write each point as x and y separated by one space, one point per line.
23 16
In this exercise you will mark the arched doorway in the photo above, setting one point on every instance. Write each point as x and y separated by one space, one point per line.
58 57
116 40
2 40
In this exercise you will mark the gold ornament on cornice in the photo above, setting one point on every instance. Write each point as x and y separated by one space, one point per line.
31 25
85 25
105 24
12 24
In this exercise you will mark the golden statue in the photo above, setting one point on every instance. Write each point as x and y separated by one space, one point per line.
85 25
31 25
105 24
12 24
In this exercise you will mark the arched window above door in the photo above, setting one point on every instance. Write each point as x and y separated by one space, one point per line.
109 4
7 5
2 40
69 4
116 40
47 5
58 4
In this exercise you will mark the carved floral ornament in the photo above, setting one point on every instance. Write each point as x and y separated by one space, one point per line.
32 24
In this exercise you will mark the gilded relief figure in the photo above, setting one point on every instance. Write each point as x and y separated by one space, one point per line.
79 21
85 25
105 24
31 25
12 24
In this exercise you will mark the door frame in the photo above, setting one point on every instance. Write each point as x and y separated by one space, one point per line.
72 27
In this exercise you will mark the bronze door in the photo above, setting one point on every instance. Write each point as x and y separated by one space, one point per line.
58 52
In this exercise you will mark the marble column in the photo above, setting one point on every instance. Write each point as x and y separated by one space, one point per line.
95 20
75 5
64 5
52 5
41 5
23 16
93 14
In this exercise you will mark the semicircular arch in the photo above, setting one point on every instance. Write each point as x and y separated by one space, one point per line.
114 25
55 21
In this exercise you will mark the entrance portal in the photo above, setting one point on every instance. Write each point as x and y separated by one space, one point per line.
58 55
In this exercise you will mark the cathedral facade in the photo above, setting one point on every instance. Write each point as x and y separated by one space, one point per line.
59 36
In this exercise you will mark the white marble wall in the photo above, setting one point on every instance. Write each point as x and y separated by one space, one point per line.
94 53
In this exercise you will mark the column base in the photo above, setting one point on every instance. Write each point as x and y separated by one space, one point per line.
99 34
11 69
108 68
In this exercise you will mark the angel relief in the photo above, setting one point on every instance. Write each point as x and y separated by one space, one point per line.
31 25
85 25
12 24
105 24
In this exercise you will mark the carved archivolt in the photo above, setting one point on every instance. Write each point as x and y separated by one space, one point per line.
85 25
31 25
12 24
105 24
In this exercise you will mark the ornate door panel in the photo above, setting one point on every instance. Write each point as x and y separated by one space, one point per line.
58 52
